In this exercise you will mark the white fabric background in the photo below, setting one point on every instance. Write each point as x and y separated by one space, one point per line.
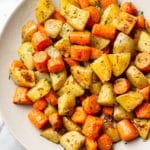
7 141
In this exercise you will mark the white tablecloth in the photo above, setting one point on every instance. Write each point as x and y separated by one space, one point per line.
7 141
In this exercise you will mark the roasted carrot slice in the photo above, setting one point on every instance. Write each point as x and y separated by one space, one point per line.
40 60
40 104
83 3
70 61
145 92
105 31
121 86
79 115
126 130
40 40
143 111
57 15
90 144
52 98
106 3
20 96
95 16
41 28
90 105
95 53
142 61
38 118
140 23
81 38
92 127
55 121
55 65
108 110
104 142
80 53
129 8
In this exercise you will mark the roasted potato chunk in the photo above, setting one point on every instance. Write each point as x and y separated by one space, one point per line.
76 17
130 100
120 113
39 90
28 30
51 135
143 127
44 10
124 22
109 14
124 44
83 76
72 140
144 42
106 96
136 77
66 104
119 62
25 52
102 68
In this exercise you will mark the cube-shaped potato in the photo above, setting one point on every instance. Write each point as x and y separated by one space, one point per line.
65 30
83 76
124 44
64 46
53 27
144 42
109 14
72 140
76 17
106 95
66 104
102 68
119 62
130 100
124 22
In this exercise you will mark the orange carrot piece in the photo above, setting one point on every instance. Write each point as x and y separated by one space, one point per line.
55 121
83 3
40 104
81 38
41 28
105 142
105 31
95 16
52 98
90 105
121 86
142 61
17 64
143 111
40 40
55 65
20 96
38 118
57 15
140 23
92 127
70 61
129 8
40 61
90 144
79 115
145 92
106 3
126 130
80 53
95 53
108 110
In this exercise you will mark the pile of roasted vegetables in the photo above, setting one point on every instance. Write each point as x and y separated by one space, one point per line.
86 70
